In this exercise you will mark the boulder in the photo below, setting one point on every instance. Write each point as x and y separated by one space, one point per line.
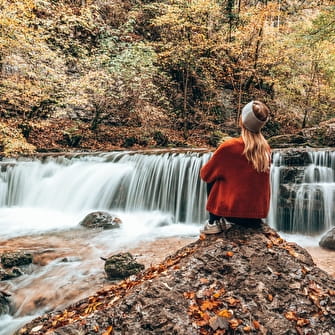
101 219
242 281
10 259
328 240
287 140
4 303
10 274
121 266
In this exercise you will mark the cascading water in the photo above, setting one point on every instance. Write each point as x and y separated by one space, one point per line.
303 191
155 195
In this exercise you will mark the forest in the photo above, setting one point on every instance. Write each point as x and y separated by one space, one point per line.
105 74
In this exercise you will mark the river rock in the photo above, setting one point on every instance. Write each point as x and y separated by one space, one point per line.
328 240
4 303
9 274
243 281
287 140
10 259
121 266
101 219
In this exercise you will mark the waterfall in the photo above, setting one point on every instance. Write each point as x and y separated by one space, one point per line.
167 182
302 188
303 191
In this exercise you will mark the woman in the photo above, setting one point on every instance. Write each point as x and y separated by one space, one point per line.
238 174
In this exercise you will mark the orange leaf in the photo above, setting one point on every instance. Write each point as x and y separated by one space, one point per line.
108 331
220 332
202 237
247 329
290 315
218 294
270 297
204 280
256 324
209 305
229 254
232 301
194 309
225 313
331 292
234 323
189 295
302 322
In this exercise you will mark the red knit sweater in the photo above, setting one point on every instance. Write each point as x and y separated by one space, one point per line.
239 190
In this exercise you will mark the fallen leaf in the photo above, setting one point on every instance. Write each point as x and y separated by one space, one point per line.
270 297
232 301
247 329
209 305
202 237
189 295
229 254
225 313
108 331
234 323
331 292
201 322
37 328
216 322
204 280
302 322
290 315
219 293
256 324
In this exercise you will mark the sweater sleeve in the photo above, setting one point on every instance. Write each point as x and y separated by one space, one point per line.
211 170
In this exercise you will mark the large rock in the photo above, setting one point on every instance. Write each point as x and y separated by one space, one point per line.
101 219
121 266
10 274
4 303
328 240
244 281
10 259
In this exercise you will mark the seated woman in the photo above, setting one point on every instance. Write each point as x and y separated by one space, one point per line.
238 174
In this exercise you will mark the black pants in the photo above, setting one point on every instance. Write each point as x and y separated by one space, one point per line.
248 222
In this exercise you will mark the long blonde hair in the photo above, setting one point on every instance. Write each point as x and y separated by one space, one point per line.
256 147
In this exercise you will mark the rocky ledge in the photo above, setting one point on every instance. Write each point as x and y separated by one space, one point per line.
243 281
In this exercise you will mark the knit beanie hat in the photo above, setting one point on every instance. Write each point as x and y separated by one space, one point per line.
249 120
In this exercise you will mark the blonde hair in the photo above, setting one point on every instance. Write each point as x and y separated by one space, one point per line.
256 147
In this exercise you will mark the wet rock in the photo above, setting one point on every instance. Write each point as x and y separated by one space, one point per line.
10 274
243 281
10 259
328 240
101 219
4 303
286 141
121 266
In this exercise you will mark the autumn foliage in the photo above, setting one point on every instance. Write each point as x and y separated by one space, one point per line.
154 65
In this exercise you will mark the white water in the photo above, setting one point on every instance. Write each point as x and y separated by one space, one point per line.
155 196
313 211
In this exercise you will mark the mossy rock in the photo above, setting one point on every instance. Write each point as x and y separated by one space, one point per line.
10 259
121 266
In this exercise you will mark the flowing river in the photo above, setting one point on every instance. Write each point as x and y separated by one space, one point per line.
156 196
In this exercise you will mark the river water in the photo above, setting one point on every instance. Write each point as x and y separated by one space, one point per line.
156 196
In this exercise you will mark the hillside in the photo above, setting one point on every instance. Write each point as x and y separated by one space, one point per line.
105 74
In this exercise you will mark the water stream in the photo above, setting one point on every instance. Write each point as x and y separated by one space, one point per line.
42 202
